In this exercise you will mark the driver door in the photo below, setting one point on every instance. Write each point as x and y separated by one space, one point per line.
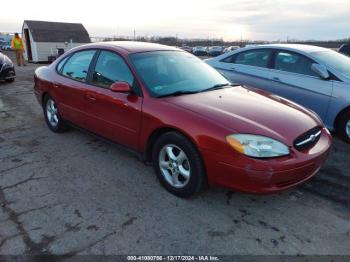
293 79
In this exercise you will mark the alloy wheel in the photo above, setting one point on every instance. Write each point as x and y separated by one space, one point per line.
174 166
347 128
52 112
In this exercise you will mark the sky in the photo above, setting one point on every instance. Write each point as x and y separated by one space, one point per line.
227 19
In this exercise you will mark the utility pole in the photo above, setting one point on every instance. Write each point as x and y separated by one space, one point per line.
134 34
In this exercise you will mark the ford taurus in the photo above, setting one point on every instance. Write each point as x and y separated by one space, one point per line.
185 118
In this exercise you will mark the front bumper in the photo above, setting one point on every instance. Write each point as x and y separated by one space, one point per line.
267 176
214 53
200 53
7 73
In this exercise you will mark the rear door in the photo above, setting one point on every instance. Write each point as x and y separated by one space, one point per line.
249 67
69 89
293 79
116 116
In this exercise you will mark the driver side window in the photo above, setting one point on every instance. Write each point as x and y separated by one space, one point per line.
294 63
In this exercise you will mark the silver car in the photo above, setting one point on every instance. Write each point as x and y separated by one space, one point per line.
315 77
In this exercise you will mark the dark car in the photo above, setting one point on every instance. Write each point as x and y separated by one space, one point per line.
7 69
183 116
200 51
186 48
215 51
345 49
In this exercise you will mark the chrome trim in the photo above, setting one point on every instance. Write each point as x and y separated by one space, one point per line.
348 128
312 138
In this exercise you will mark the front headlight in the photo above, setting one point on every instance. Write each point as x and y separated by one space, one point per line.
257 146
7 61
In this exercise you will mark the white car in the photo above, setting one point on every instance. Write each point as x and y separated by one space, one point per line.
315 77
231 48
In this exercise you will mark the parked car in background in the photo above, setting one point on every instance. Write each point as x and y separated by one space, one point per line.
215 50
186 48
345 49
7 69
183 116
315 77
231 48
200 51
6 47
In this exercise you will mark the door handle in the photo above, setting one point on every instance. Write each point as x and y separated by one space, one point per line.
56 84
233 69
275 78
90 97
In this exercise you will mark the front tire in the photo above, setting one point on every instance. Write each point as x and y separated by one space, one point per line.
52 116
344 126
178 165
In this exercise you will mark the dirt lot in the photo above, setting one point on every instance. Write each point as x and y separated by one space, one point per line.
74 194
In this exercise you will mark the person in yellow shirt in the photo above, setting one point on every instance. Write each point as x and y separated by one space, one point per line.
18 46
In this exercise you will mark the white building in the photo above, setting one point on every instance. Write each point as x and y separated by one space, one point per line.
42 39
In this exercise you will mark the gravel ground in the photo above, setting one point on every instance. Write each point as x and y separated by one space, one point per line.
74 194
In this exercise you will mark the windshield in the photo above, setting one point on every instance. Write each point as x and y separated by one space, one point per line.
168 72
333 59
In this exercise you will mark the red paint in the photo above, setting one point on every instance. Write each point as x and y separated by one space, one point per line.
205 118
121 87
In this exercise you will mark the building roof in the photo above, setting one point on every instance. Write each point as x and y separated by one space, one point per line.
43 31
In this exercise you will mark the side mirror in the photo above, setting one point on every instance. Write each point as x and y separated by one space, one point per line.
121 87
320 70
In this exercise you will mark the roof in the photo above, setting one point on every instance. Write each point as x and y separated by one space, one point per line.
297 47
43 31
136 47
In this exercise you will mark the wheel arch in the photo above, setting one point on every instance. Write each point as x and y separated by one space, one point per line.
43 96
152 138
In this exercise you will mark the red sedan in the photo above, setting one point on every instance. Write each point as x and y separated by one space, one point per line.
181 115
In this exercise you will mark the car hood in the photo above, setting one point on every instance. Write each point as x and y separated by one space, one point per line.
250 111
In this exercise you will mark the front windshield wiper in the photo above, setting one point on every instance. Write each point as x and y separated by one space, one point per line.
179 93
218 86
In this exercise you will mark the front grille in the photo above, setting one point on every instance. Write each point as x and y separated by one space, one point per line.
308 139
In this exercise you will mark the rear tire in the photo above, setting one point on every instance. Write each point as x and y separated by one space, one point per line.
343 128
52 116
178 165
10 80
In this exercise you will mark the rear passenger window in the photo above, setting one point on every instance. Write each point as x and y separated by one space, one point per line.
77 66
259 58
111 68
294 63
